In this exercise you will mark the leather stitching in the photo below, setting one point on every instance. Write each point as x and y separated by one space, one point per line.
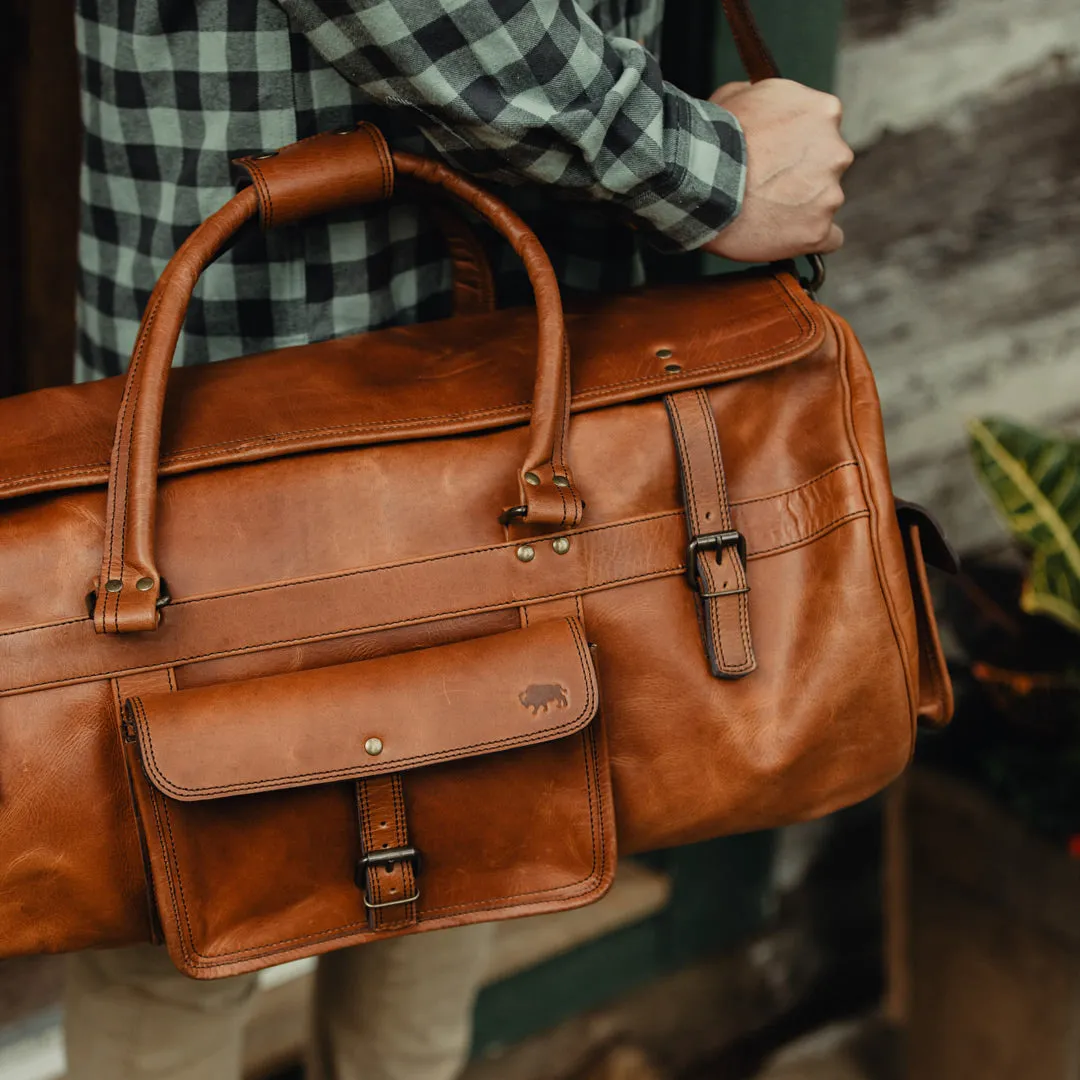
208 961
210 597
651 575
124 439
806 331
433 757
742 601
873 514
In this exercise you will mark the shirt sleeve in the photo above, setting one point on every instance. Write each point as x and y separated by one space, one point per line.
533 91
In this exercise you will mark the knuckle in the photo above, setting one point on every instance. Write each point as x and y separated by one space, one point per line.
832 107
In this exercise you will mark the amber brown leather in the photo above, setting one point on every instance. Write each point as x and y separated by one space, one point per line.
129 588
321 174
254 851
334 170
338 503
719 573
390 889
261 735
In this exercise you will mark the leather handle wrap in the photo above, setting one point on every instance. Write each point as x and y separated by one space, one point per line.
129 587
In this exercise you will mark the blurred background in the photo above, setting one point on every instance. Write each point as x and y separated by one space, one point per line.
931 933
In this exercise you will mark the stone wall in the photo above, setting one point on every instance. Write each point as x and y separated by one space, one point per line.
961 273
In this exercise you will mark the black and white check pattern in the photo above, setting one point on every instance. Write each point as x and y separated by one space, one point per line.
559 103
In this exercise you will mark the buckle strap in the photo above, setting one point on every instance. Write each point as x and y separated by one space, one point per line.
716 552
388 865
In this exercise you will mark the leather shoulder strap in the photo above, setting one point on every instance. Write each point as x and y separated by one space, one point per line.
756 56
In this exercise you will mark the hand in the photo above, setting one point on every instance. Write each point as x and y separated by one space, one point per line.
795 159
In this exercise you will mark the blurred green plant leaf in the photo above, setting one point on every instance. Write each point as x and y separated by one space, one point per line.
1034 480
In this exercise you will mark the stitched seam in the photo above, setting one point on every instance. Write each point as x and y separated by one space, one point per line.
798 487
430 758
168 870
347 631
429 617
587 395
713 604
122 440
407 913
208 961
266 204
489 549
741 600
592 791
601 586
711 637
873 515
383 154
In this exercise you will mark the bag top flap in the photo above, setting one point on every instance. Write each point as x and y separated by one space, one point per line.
374 716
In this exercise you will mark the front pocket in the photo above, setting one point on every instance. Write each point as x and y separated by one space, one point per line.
261 800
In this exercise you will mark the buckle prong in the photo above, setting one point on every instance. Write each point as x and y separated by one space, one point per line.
387 857
732 540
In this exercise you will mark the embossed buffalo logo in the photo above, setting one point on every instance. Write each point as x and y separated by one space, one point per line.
543 697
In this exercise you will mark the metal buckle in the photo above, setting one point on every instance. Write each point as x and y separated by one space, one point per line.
718 542
387 858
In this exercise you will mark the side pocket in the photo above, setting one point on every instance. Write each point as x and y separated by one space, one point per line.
925 542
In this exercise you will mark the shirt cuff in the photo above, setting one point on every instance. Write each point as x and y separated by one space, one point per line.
706 178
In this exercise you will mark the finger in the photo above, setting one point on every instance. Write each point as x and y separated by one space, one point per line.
845 158
833 242
727 91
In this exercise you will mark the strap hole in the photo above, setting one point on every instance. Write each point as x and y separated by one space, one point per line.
708 515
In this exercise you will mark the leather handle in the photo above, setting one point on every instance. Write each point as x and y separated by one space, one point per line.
756 56
357 167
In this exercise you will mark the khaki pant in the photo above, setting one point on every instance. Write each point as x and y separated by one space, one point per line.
395 1010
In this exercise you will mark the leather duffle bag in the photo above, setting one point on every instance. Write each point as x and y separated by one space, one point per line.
409 629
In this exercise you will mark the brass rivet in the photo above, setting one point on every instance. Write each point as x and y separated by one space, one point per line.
663 354
560 545
373 746
532 478
673 369
144 584
560 481
264 157
526 553
114 585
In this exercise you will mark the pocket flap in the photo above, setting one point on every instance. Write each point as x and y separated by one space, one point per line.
374 716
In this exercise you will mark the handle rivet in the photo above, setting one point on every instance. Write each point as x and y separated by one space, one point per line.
532 479
560 481
526 553
144 584
373 746
114 585
560 545
664 354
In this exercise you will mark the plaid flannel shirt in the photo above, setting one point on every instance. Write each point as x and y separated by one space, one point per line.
540 98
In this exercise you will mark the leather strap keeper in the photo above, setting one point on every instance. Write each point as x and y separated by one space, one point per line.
319 175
